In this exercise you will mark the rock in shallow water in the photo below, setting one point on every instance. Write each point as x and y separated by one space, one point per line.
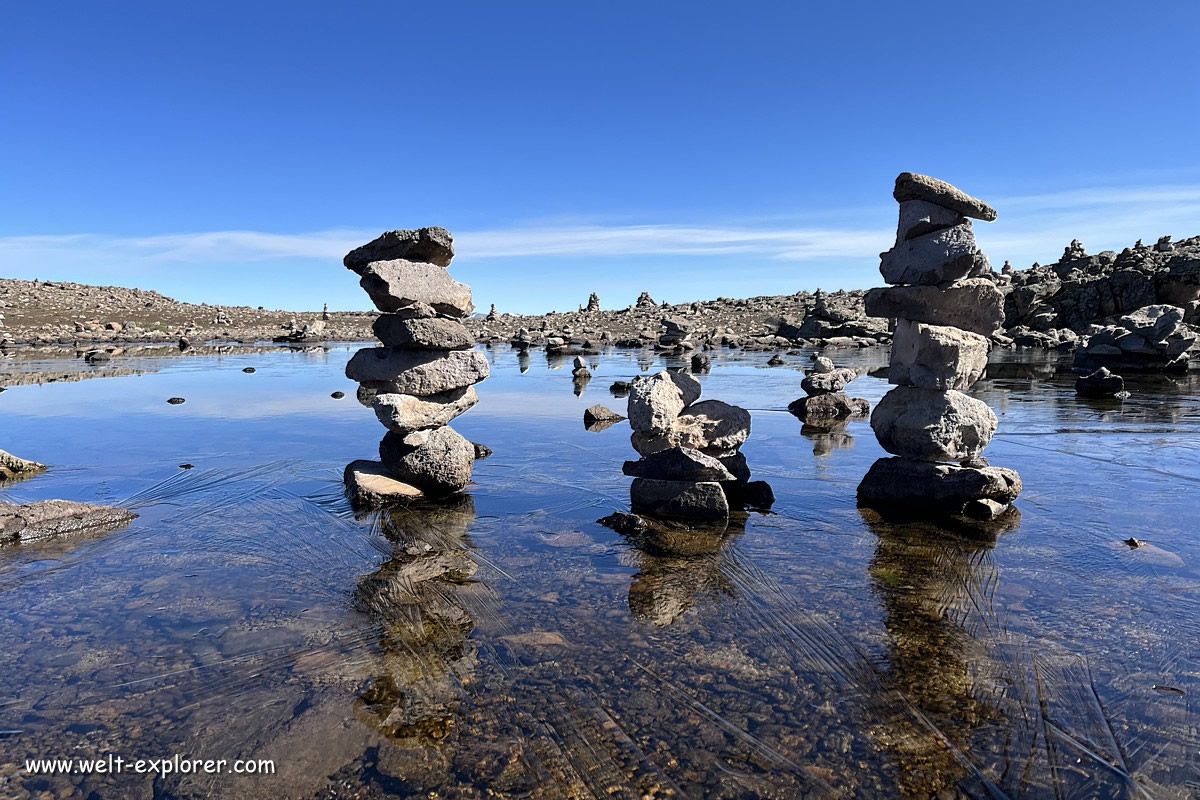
435 333
437 461
936 356
371 484
1100 384
932 425
419 372
48 518
835 405
11 466
678 464
678 499
923 485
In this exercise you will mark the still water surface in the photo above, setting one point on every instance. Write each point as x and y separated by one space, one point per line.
507 645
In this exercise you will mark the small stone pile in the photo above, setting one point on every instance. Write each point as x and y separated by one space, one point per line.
944 313
645 301
826 400
691 467
677 335
593 303
1153 338
424 373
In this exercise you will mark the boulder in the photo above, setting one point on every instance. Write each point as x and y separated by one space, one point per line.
655 401
932 425
678 464
419 372
835 405
49 518
436 333
1100 384
711 426
737 466
370 484
704 500
914 186
827 382
973 304
938 257
936 356
405 413
437 461
919 217
923 485
393 285
431 245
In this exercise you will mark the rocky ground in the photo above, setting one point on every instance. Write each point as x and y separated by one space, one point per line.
1059 305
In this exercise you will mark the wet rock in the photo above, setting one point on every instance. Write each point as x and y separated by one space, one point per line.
656 401
936 356
50 518
432 245
13 467
835 380
775 361
678 499
701 362
756 495
482 451
371 484
393 285
914 186
437 461
678 464
249 370
1100 384
973 304
932 425
405 413
834 405
418 372
938 257
436 333
598 414
942 487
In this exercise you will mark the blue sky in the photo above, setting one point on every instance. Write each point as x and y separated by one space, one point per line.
231 152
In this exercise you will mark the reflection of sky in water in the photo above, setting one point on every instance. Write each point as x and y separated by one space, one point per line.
817 649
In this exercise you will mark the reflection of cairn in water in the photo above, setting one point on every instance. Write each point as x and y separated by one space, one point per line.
679 565
828 435
423 375
824 399
945 307
426 653
933 589
691 467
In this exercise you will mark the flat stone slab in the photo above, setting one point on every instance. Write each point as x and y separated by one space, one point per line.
919 217
932 425
405 413
436 333
973 304
678 464
419 372
936 356
703 500
398 284
914 186
46 519
938 257
369 483
432 245
944 488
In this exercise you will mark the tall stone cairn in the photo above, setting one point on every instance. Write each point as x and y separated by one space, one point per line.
945 309
423 374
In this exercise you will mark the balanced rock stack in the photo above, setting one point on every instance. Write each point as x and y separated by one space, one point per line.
944 313
691 467
424 373
677 336
825 398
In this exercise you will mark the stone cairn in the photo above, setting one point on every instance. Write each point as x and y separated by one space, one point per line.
593 303
825 398
424 373
677 335
691 467
944 312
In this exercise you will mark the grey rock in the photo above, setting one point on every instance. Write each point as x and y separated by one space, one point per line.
973 304
393 285
711 426
821 364
827 382
703 500
436 333
371 484
678 464
938 257
936 356
419 372
49 518
655 401
437 461
1100 384
931 425
405 413
919 217
432 245
835 405
916 485
914 186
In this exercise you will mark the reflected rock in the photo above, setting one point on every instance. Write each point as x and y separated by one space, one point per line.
673 538
835 405
666 588
828 435
598 418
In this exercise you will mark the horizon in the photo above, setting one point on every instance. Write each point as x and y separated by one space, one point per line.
613 150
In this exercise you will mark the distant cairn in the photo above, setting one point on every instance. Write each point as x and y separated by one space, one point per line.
944 309
424 373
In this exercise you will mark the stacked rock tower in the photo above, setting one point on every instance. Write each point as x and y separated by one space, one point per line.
691 467
424 373
944 308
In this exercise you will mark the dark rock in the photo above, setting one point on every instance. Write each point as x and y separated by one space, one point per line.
914 186
337 395
834 405
482 451
703 500
248 370
701 362
937 487
1100 384
756 495
432 245
176 400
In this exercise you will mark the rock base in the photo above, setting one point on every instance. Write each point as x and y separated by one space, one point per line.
370 484
932 488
